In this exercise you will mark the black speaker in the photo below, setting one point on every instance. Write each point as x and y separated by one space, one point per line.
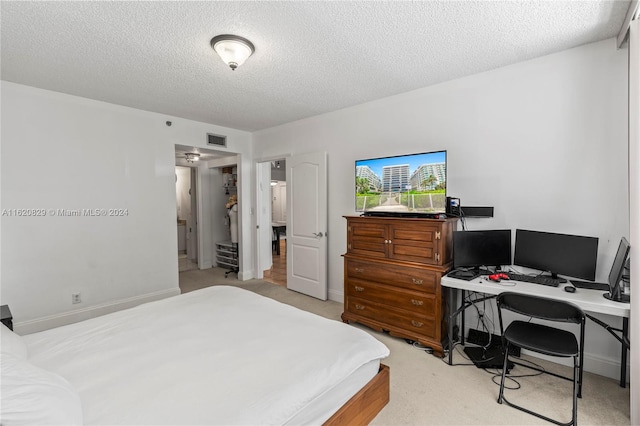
476 211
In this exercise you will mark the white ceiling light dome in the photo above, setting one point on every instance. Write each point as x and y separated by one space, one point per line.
233 50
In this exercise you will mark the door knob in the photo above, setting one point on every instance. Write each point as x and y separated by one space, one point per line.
318 235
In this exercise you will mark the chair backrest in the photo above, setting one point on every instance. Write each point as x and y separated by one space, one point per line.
540 307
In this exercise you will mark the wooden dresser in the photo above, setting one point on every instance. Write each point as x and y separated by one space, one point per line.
392 272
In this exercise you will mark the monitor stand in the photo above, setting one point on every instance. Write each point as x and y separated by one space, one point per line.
623 298
556 277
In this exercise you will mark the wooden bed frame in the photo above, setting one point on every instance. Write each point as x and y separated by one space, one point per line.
366 404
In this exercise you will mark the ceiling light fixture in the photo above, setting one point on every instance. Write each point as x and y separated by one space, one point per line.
191 157
233 50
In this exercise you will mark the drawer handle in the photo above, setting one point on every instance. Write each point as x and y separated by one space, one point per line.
359 288
416 323
417 302
416 281
359 270
359 307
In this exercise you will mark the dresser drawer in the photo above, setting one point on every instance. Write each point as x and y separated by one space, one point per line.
409 321
416 302
417 279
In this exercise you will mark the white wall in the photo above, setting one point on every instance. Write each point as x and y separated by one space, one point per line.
85 154
543 141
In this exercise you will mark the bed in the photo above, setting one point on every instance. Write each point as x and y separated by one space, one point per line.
220 355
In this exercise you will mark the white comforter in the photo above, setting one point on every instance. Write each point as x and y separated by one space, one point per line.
221 355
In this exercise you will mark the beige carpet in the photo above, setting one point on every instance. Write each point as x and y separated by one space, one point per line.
427 391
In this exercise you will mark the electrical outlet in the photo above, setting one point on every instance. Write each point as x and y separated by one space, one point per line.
75 298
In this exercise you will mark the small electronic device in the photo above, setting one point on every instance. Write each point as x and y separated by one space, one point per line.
565 254
569 289
453 206
475 249
498 277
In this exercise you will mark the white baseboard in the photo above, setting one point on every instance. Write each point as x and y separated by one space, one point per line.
246 275
592 363
336 295
52 321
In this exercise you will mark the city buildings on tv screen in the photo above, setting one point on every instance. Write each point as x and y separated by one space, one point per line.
413 183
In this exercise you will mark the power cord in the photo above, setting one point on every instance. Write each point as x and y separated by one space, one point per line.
537 367
457 349
420 346
487 324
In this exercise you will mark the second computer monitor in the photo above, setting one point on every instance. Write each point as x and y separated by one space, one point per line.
472 249
615 275
571 255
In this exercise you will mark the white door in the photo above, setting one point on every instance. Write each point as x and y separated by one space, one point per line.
307 224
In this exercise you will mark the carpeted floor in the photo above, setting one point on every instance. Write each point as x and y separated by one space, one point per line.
427 391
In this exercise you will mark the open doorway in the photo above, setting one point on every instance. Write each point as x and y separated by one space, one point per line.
306 222
202 197
276 220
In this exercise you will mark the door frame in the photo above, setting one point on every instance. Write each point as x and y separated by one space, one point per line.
259 162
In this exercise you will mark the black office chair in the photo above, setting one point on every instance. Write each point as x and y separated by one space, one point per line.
543 339
275 242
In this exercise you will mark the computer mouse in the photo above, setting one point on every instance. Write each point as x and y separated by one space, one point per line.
570 289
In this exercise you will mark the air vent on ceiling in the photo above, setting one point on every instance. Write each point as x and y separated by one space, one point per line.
216 140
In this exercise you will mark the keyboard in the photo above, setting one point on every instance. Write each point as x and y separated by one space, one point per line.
590 285
537 279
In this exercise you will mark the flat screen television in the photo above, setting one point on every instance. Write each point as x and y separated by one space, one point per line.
476 249
615 275
403 185
565 254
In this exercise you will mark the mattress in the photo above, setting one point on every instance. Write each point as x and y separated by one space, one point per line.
220 355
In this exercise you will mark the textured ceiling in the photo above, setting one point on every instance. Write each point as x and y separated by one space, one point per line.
311 57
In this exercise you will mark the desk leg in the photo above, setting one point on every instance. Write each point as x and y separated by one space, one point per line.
623 358
452 314
461 329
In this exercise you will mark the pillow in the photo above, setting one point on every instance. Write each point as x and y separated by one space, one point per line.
11 343
30 395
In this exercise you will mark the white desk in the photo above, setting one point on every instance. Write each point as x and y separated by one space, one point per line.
588 300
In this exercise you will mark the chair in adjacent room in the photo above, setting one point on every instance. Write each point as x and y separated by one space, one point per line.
275 241
543 339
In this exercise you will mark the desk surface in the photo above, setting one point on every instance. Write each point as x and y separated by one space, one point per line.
588 300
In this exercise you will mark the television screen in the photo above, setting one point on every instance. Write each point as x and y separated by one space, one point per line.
404 184
571 255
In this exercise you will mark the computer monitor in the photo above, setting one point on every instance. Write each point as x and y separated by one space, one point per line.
565 254
473 249
615 275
